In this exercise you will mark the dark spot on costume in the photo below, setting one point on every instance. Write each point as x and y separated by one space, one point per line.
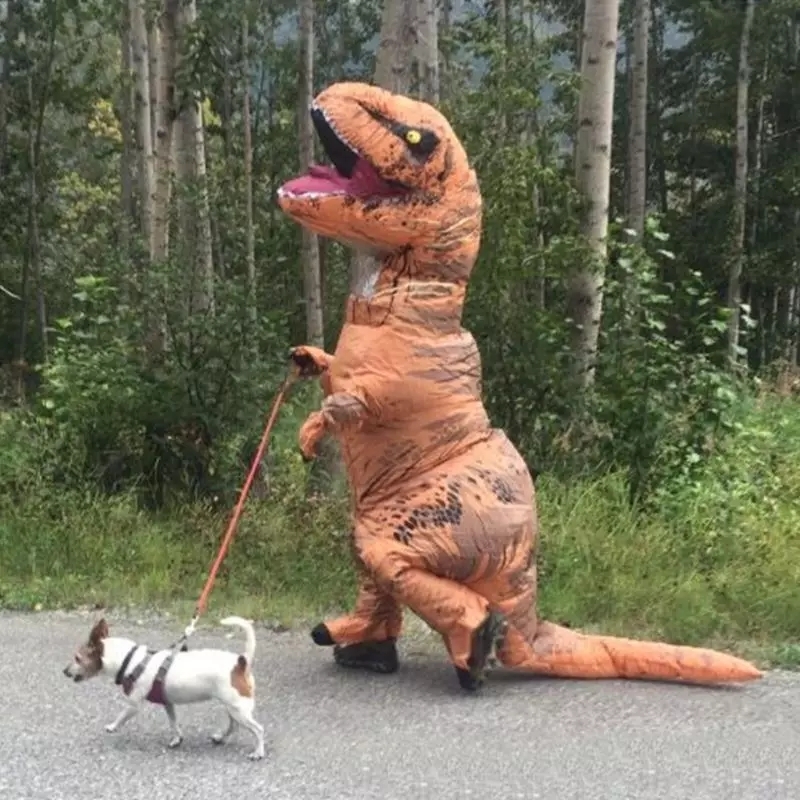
440 512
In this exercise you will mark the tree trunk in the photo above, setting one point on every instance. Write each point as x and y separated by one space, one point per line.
164 118
637 131
593 172
37 106
392 60
10 25
794 342
693 143
126 103
759 154
740 186
502 32
310 242
193 135
153 48
532 135
445 89
659 157
392 72
144 134
250 236
427 51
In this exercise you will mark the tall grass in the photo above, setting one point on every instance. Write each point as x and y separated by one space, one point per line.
716 559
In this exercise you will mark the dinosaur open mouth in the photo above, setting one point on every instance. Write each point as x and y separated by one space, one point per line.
351 174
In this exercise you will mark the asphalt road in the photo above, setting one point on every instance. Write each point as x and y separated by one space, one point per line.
336 735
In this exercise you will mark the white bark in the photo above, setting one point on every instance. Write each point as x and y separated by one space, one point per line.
191 120
248 182
144 136
637 131
194 221
393 72
593 171
427 51
164 116
126 104
310 242
396 46
740 185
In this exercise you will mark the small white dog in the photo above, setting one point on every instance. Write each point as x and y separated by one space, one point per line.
169 679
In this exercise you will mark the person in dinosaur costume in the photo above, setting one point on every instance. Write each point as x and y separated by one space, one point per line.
444 513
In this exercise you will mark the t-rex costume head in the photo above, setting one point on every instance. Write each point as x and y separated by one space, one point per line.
400 185
443 504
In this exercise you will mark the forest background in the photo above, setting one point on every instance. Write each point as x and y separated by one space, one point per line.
636 300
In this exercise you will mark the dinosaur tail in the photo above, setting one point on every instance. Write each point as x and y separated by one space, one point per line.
561 652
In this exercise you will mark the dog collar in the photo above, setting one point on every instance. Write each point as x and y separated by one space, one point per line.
125 661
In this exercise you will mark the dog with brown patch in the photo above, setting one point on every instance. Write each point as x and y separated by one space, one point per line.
171 678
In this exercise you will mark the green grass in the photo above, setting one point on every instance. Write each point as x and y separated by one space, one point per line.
67 551
715 561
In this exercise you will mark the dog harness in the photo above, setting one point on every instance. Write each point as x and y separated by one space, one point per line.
156 693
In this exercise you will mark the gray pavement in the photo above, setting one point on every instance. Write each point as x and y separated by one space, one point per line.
337 735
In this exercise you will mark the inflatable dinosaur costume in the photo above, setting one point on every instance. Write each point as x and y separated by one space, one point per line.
444 511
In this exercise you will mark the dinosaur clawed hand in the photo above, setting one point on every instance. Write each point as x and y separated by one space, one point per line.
310 361
311 433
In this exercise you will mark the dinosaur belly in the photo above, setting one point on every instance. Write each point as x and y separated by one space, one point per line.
424 398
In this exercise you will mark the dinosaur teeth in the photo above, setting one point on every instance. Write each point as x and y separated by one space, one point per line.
332 126
309 195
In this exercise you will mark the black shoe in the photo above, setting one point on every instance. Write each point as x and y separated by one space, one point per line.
321 635
378 657
486 640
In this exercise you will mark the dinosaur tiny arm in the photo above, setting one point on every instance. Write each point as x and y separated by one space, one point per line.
341 412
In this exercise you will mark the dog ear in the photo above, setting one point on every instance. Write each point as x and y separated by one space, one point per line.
100 631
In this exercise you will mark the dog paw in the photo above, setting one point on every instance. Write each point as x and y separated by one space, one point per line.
256 755
175 742
218 738
111 727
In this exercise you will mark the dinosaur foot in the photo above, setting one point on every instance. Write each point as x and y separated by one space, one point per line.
380 657
486 641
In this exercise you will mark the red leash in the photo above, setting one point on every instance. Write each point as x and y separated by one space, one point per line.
202 601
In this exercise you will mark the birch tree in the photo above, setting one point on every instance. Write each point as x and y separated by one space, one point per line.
593 172
140 58
126 104
310 241
8 23
190 163
740 185
637 131
250 235
426 52
167 22
393 63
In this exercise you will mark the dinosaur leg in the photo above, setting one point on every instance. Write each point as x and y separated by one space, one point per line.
462 617
366 637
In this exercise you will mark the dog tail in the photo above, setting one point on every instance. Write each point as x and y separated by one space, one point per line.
247 627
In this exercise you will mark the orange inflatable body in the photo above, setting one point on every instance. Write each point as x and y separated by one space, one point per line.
444 508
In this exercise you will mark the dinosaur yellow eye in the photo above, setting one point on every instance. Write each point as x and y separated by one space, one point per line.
413 137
